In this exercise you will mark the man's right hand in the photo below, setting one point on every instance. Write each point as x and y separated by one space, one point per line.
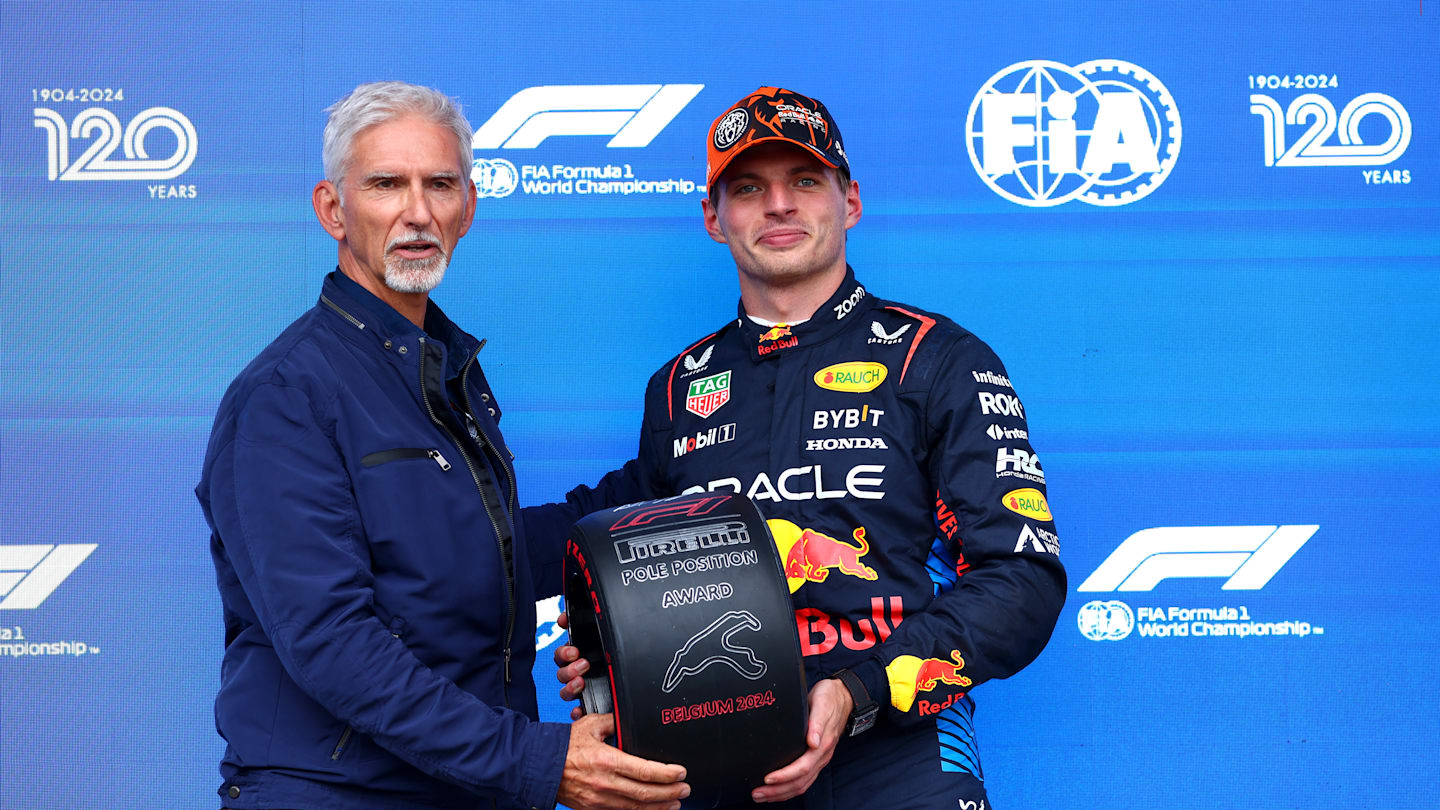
599 776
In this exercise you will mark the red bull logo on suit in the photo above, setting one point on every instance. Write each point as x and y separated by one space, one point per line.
909 676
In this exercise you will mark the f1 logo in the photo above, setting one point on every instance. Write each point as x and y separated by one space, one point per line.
28 574
633 113
687 508
1248 555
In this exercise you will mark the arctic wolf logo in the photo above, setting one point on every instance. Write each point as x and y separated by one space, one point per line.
713 646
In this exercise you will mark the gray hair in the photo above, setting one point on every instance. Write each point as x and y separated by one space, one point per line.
379 102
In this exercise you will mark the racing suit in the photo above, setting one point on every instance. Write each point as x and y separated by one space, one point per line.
890 453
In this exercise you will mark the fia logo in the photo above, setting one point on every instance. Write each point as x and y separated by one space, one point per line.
633 113
1105 132
1311 147
494 177
1105 621
30 573
101 125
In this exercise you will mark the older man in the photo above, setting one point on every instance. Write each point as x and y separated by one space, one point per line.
865 430
378 592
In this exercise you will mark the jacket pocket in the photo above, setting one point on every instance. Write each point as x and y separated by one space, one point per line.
397 629
404 454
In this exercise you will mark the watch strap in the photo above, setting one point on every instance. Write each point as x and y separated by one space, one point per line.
865 711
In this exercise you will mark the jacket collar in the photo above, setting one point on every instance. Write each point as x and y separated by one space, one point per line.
362 308
842 308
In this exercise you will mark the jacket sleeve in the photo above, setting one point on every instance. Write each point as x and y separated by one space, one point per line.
547 525
284 510
1008 584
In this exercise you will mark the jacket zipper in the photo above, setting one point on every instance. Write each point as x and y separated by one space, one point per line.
347 316
510 472
404 454
340 746
475 476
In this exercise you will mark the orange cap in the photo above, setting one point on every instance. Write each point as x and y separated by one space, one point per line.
773 114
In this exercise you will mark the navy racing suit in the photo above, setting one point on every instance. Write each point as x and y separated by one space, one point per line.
889 451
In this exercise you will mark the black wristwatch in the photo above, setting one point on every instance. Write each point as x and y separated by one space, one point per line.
866 710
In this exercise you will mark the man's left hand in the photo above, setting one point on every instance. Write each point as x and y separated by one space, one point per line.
830 707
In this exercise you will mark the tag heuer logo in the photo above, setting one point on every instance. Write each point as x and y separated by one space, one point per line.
707 394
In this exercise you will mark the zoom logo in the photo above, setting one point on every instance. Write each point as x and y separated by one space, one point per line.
30 573
633 113
1042 133
105 133
1248 556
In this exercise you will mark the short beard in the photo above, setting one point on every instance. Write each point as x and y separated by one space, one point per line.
415 275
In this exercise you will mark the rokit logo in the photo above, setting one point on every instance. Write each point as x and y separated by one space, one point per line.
1000 404
1329 138
69 157
1042 133
631 115
1247 557
703 439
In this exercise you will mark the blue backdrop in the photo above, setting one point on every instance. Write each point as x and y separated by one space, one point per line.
1220 312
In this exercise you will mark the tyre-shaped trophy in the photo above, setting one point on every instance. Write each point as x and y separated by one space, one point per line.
682 610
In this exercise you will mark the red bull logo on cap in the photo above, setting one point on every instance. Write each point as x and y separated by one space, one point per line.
810 556
909 676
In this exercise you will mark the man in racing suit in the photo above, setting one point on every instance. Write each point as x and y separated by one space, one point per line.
890 452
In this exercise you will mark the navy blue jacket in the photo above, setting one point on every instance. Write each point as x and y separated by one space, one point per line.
890 452
378 595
